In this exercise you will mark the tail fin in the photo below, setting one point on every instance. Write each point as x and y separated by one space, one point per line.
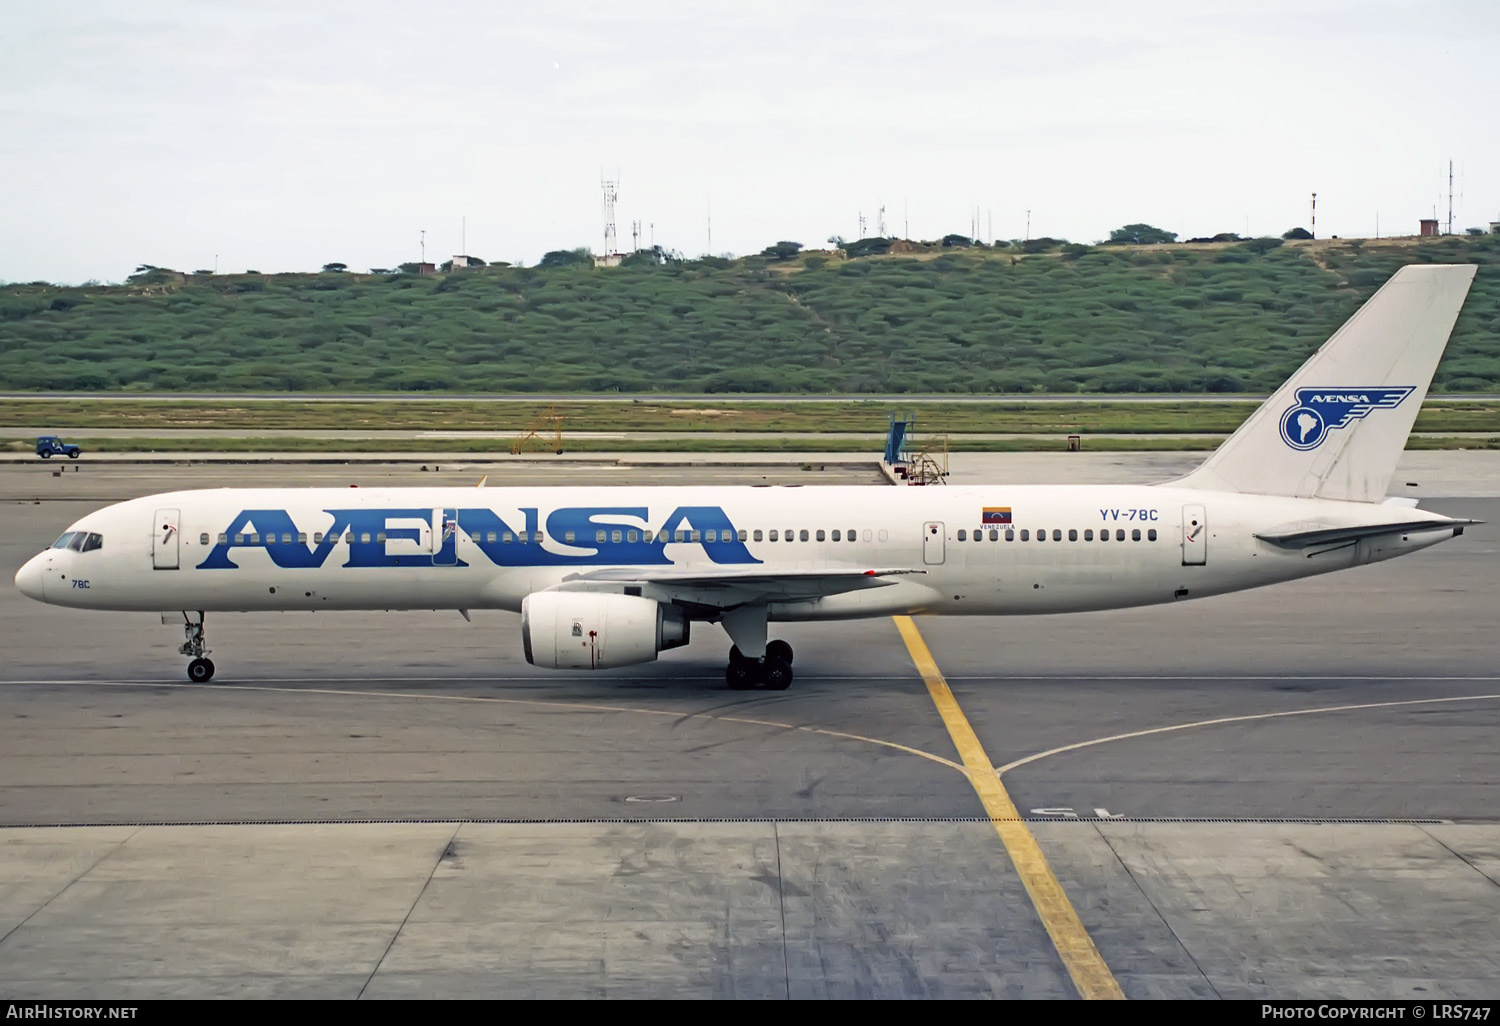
1336 429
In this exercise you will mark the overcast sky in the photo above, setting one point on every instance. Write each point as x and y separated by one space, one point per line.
282 136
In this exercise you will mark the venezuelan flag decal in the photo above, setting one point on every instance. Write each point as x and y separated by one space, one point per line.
997 515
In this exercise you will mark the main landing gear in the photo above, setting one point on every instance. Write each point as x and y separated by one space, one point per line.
774 670
746 627
201 669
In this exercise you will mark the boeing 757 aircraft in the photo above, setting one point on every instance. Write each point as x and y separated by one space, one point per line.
610 576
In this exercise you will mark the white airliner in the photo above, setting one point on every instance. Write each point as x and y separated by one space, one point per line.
610 576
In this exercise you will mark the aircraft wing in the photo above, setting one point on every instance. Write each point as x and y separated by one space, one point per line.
1304 536
733 587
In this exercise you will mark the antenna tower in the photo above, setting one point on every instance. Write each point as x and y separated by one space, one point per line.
1313 228
423 234
880 222
611 196
1450 199
861 224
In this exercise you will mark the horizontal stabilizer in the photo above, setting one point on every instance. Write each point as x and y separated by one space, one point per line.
1307 539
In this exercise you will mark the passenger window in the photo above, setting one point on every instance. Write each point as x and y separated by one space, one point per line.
203 538
804 534
852 535
1151 534
617 536
709 536
880 535
254 537
568 537
301 537
994 534
317 537
1088 534
695 536
835 536
286 538
773 536
1057 534
380 537
820 535
1010 534
866 535
364 537
789 535
1135 535
239 539
963 535
744 535
1025 534
506 538
223 538
1041 535
757 535
1104 535
1072 534
978 535
1120 534
599 536
632 536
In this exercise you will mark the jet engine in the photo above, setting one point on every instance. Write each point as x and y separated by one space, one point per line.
593 630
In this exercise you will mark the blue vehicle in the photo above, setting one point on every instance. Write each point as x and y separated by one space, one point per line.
47 445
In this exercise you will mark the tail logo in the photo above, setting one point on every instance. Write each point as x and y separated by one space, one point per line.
1321 410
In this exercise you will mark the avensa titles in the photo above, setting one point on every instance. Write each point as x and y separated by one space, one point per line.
573 536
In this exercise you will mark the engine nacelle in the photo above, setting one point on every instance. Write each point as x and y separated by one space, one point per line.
593 630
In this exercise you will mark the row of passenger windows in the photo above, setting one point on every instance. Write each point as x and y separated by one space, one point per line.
1057 534
614 537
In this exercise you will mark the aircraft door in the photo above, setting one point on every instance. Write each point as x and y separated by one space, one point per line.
444 536
166 543
933 539
1194 536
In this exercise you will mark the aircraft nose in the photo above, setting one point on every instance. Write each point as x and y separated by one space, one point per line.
30 577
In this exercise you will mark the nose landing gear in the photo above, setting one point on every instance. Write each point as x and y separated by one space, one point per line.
201 669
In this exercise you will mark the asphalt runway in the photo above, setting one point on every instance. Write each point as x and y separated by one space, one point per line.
1305 804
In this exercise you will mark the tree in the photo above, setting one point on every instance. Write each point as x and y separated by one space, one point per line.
1140 235
380 270
1473 231
1261 245
567 257
1297 233
957 240
335 267
782 250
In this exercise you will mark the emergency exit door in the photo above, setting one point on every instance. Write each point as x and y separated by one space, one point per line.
166 540
932 542
1194 536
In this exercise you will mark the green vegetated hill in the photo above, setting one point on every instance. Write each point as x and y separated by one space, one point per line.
1223 318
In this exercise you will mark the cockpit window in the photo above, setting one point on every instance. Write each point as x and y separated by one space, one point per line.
62 542
93 542
80 541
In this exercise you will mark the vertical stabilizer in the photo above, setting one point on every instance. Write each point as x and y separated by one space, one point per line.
1336 429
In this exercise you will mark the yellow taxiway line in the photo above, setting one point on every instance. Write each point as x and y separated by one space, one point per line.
1084 963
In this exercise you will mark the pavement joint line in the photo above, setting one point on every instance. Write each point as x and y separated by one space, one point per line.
1085 966
554 679
1221 720
742 820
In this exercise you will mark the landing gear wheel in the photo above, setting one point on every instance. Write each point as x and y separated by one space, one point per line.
780 651
775 674
742 675
201 671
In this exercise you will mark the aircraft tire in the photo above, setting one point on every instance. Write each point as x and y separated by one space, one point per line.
779 650
741 675
200 671
776 675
